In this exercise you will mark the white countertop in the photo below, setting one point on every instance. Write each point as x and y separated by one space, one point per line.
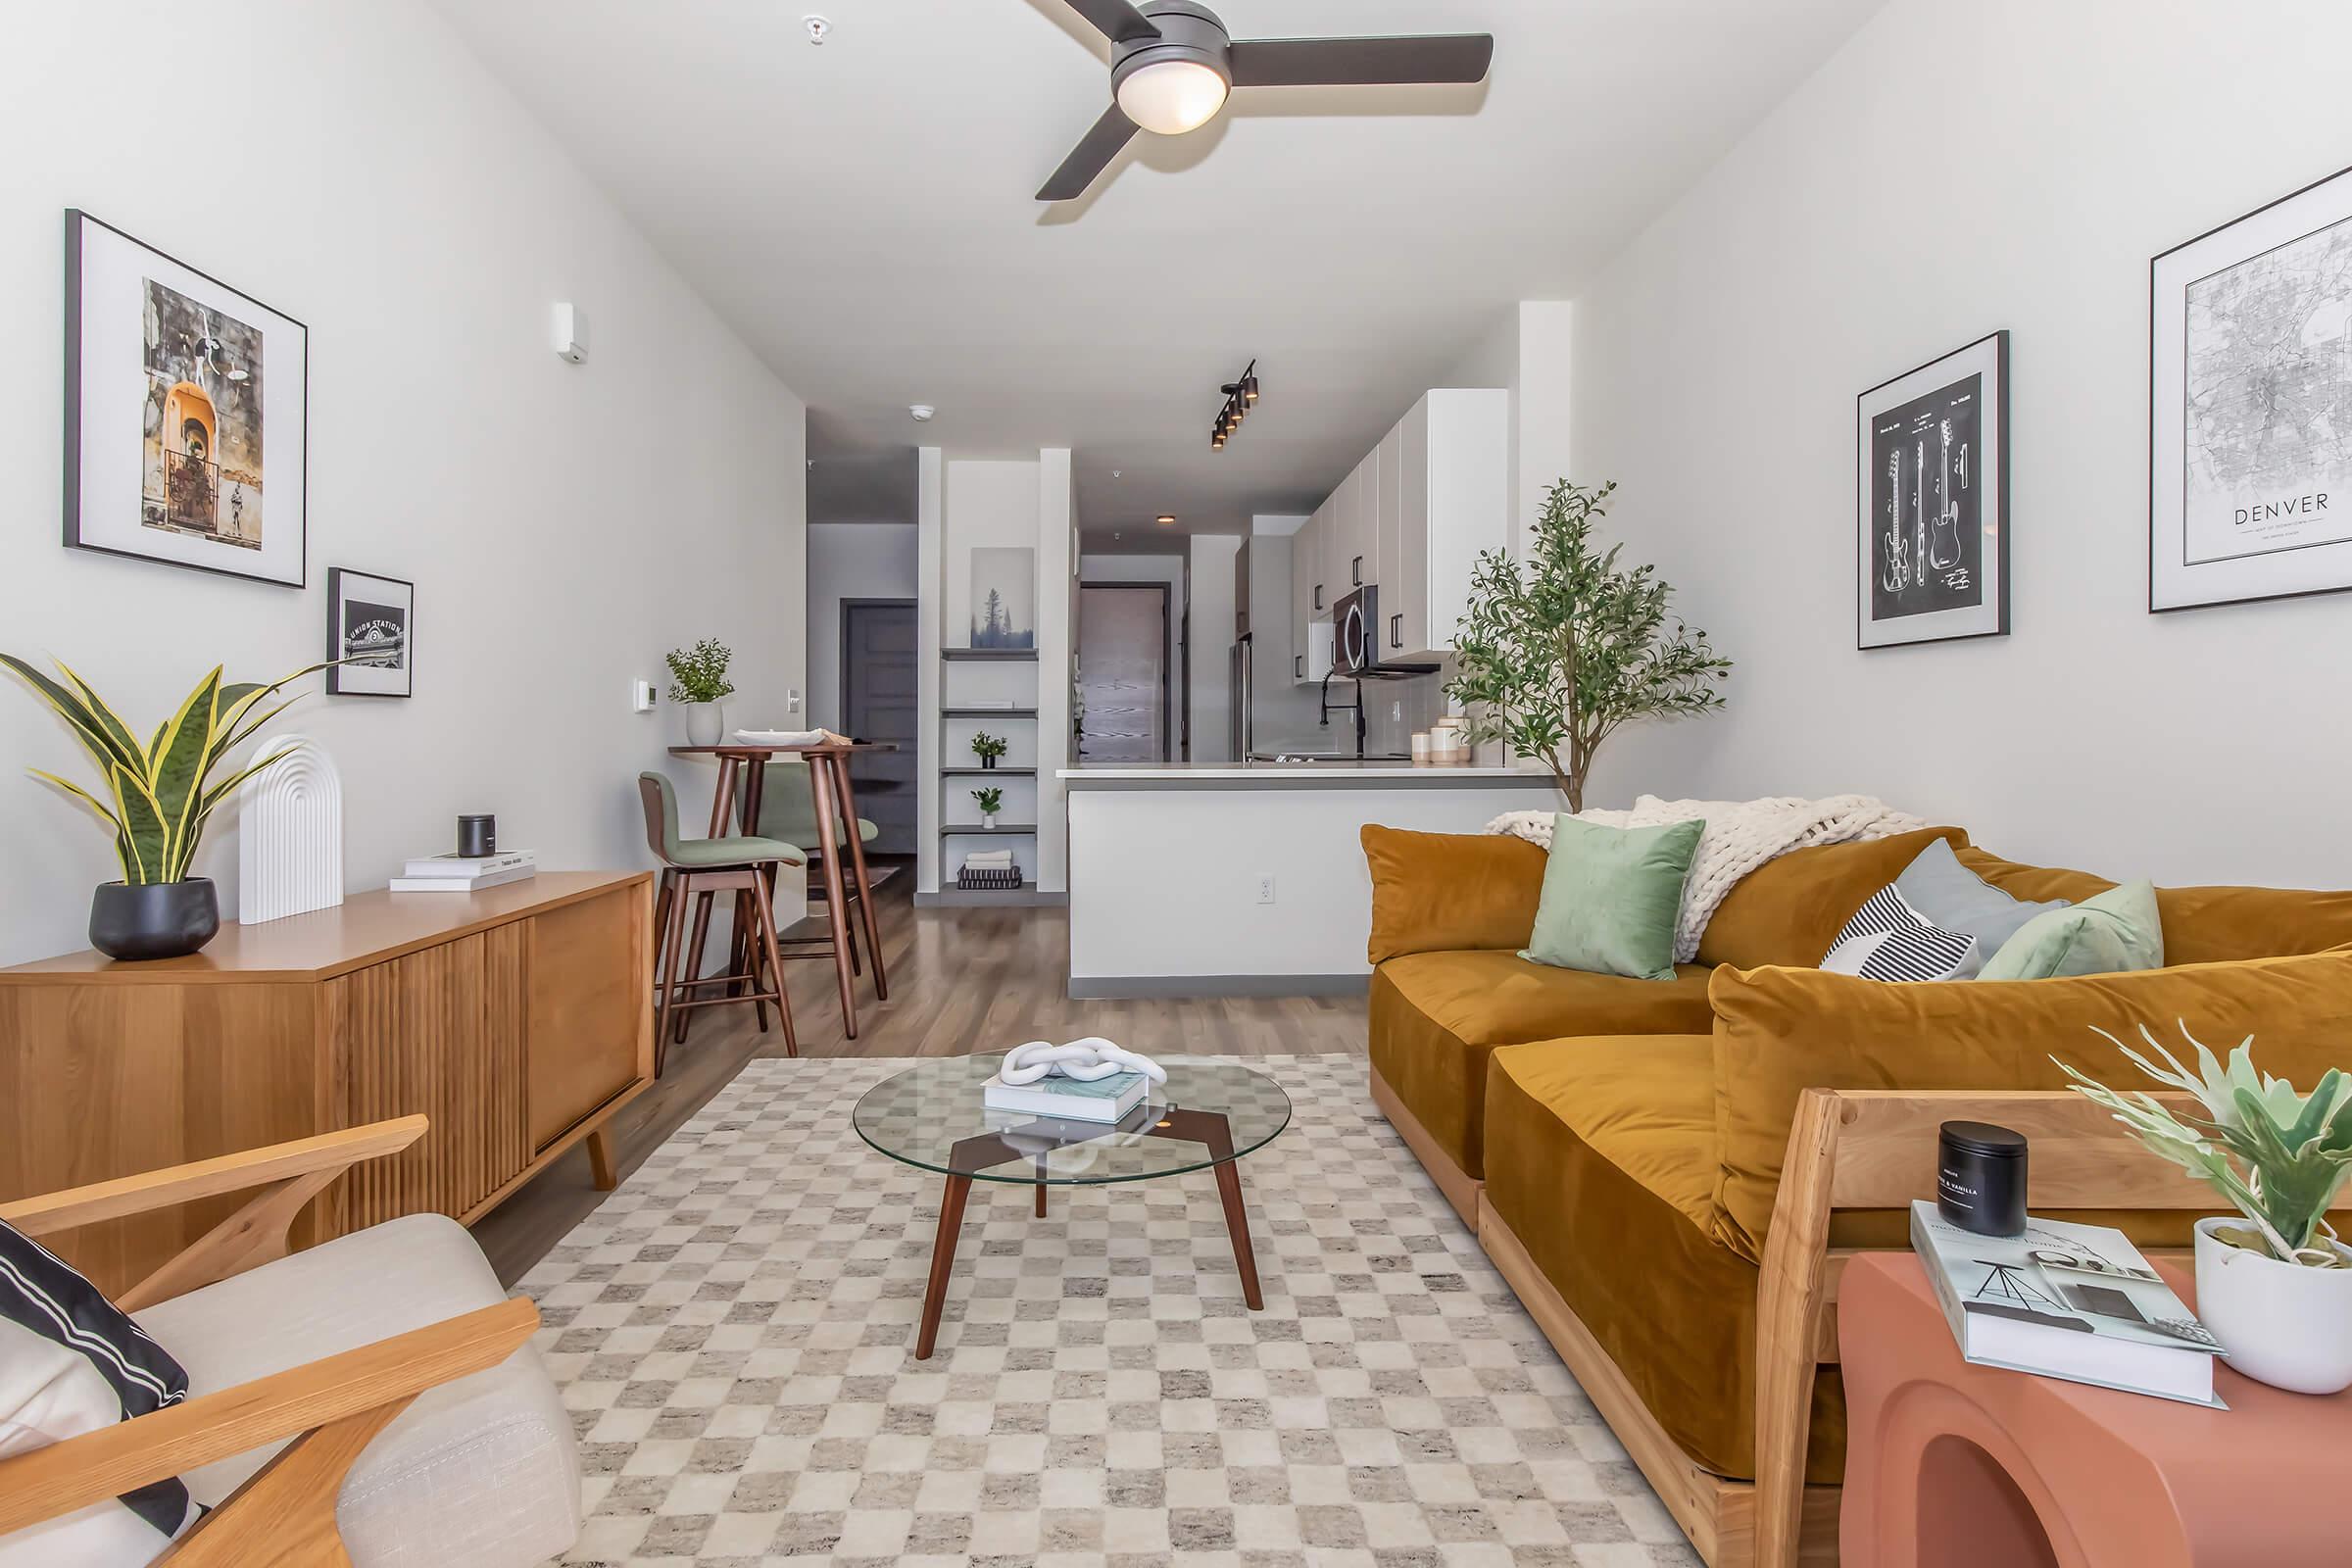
1340 775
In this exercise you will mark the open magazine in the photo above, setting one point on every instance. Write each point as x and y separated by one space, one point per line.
2071 1301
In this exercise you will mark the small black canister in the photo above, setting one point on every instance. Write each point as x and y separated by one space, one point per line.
478 836
1980 1178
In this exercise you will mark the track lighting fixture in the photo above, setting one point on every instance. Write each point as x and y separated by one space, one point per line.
1240 393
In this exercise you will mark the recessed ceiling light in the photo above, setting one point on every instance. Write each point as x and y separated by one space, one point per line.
1167 520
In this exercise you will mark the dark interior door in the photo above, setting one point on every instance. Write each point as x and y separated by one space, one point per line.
878 703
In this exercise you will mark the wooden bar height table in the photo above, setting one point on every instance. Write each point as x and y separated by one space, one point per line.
741 776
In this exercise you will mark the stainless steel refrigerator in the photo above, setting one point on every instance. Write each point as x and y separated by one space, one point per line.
1241 693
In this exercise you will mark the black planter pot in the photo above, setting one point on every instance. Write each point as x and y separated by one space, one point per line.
154 919
986 763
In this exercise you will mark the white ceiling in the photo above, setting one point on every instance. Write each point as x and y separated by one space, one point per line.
864 211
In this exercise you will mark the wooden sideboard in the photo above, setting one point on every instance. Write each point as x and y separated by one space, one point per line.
519 1019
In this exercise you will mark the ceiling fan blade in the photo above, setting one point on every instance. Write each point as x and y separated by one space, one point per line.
1090 157
1116 19
1361 62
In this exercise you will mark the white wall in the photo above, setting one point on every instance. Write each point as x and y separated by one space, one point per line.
849 561
1210 654
1527 354
353 166
1951 170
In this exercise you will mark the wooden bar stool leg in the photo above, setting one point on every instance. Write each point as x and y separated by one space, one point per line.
837 912
845 801
662 892
692 958
674 931
766 912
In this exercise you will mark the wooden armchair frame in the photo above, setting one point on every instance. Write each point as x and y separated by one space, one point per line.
284 1516
1877 1149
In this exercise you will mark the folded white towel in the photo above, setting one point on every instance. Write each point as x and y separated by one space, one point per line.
989 857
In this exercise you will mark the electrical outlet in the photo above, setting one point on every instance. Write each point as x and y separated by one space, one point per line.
792 701
641 697
1397 711
1265 890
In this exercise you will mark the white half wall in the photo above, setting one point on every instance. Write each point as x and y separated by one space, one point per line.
356 169
1955 170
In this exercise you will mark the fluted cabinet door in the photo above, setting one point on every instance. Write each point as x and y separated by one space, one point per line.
440 1031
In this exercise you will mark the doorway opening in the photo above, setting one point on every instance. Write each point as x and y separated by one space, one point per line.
1123 675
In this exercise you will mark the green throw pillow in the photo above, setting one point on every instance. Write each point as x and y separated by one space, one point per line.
2105 934
1610 897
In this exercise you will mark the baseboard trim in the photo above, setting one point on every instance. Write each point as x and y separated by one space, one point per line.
1163 987
982 897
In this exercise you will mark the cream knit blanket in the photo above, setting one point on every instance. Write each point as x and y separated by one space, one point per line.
1739 836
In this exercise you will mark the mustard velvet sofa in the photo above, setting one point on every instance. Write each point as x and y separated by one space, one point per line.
1617 1144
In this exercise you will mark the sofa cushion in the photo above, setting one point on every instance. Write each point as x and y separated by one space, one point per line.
1611 897
1448 892
1791 910
1779 1031
2201 924
482 1471
1603 1165
1436 1016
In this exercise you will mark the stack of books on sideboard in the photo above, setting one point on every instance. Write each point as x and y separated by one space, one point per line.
466 873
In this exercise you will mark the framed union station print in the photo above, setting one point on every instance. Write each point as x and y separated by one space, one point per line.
2250 406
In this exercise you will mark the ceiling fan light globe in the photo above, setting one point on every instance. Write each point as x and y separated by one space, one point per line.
1171 96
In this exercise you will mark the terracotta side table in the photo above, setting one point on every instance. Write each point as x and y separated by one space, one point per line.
1949 1464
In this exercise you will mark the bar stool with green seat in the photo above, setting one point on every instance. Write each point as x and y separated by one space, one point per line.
738 864
788 811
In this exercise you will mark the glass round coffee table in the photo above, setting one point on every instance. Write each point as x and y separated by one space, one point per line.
1205 1117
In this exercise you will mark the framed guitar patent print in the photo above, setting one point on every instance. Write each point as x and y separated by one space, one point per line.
2250 406
1932 501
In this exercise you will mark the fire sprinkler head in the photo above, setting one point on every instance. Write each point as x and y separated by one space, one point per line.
921 412
817 27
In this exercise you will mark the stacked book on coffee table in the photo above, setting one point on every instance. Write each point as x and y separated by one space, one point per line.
988 869
466 873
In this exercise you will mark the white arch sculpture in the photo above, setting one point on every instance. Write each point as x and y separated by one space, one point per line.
289 833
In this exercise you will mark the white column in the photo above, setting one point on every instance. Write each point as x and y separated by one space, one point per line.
1056 563
930 606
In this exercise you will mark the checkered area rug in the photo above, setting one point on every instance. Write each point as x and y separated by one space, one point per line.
734 1333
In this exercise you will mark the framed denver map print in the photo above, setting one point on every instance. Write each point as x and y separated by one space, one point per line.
1932 501
2250 406
185 410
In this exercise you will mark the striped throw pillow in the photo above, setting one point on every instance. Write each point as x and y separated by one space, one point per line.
1890 939
71 1363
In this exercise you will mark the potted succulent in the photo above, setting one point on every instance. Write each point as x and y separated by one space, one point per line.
699 679
988 747
157 799
992 801
2274 1288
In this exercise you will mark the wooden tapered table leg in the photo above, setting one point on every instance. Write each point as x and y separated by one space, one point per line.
1041 1187
840 766
828 806
942 1262
601 1169
1236 1223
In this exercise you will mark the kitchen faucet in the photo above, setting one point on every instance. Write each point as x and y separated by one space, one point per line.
1324 717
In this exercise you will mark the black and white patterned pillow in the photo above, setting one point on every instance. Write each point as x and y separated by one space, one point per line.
71 1363
1890 939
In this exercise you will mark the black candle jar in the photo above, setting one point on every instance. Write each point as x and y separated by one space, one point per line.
478 836
1980 1178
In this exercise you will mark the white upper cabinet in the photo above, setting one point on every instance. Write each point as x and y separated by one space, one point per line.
1411 519
1453 501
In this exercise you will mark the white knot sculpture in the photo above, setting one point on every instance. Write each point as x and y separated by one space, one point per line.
1084 1059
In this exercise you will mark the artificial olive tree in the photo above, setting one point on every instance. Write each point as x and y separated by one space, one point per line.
1559 651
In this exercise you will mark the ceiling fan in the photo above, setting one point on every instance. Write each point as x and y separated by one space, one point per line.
1172 63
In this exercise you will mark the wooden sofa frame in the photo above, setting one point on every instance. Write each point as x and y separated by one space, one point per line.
284 1515
1848 1149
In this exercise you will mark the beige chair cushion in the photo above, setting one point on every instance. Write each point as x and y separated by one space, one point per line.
482 1471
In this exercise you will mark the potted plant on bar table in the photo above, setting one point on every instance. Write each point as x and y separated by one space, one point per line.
699 679
2277 1287
158 799
992 801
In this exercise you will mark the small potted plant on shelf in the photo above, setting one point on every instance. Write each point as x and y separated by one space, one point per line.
157 800
992 801
2274 1288
699 679
988 747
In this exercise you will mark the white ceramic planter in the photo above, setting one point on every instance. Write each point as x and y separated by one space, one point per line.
2278 1323
987 821
706 724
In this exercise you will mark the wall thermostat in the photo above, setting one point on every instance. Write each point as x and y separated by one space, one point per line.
571 334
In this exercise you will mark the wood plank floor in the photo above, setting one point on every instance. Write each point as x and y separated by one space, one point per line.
961 981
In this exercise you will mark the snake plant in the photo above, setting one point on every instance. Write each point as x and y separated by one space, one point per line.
2279 1155
158 796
